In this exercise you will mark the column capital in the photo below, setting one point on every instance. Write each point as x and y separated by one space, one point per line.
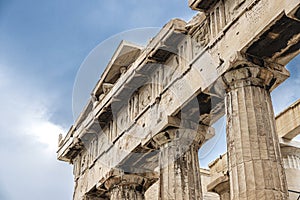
194 134
117 177
117 182
134 181
246 70
248 75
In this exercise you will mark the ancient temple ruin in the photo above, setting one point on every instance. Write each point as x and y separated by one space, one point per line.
154 107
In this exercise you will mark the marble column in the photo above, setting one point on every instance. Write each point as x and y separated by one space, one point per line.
127 192
179 163
255 163
127 187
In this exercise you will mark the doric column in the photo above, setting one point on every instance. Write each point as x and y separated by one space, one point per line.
128 186
127 192
255 164
179 163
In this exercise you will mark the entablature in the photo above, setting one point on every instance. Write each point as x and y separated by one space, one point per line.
158 50
164 108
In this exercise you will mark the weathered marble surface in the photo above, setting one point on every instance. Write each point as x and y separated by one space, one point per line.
233 52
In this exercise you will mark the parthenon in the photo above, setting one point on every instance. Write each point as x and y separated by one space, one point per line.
154 106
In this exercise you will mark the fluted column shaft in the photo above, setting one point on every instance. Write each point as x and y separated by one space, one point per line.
127 192
255 164
179 165
127 186
180 179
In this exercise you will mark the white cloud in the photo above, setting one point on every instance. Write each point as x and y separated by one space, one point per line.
28 141
43 130
24 111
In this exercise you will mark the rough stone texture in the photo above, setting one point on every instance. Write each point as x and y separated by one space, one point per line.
179 163
182 75
221 187
219 180
255 163
126 192
218 167
153 192
180 179
126 187
290 151
205 181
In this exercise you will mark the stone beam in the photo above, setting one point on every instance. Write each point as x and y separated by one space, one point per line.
288 122
201 74
219 177
209 75
260 16
221 187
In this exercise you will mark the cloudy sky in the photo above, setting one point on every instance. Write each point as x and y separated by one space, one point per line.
43 44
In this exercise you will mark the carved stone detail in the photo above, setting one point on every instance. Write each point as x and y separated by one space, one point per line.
248 76
145 96
217 19
127 192
233 7
123 70
107 87
128 186
202 36
84 162
77 167
199 30
93 150
144 91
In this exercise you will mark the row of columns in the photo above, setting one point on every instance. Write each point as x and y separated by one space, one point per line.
255 163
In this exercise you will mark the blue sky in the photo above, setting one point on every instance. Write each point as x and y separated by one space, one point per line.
43 44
